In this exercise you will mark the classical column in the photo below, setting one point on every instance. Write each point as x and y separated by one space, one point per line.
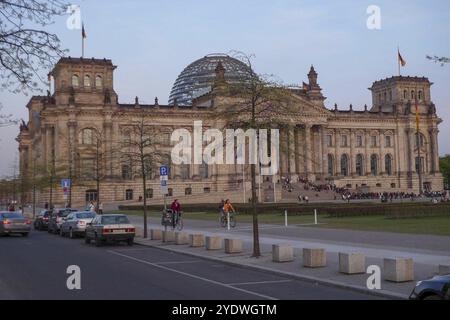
434 150
411 158
44 145
337 161
352 153
49 144
284 134
72 144
367 154
107 127
308 150
321 144
291 151
382 169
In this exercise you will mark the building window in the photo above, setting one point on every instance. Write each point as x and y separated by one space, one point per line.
359 165
359 141
149 194
75 80
405 94
378 185
390 95
204 170
170 192
185 171
88 169
329 140
98 82
420 164
87 137
413 94
207 190
388 164
127 137
91 195
374 141
374 164
126 172
187 191
330 165
344 141
393 185
129 194
388 141
420 140
87 81
344 165
420 95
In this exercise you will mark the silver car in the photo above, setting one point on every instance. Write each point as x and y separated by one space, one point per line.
75 223
14 223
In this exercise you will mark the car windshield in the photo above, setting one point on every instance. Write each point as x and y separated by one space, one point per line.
115 220
85 215
12 215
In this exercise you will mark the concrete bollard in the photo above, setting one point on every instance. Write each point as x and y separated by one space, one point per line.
352 263
213 243
168 236
282 253
139 232
444 270
196 240
233 246
314 258
155 234
399 269
181 238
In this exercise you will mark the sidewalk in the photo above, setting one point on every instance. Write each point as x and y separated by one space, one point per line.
426 259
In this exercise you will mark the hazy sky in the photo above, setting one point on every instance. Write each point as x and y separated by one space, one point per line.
152 41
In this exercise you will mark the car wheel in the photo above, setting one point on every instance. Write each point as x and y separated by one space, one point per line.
71 234
25 234
432 297
98 242
130 242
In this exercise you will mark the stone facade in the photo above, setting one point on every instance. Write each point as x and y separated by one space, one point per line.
374 149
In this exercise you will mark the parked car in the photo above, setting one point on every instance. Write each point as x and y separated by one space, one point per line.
56 219
437 288
75 223
41 221
110 227
14 223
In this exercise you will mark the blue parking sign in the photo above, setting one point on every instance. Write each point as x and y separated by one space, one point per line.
163 171
66 183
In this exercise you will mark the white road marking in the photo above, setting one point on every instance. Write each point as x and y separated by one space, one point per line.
258 282
193 276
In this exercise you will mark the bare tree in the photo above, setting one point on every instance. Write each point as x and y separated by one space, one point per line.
441 60
140 150
257 102
26 49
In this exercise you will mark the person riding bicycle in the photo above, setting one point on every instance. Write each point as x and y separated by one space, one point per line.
228 208
221 205
176 209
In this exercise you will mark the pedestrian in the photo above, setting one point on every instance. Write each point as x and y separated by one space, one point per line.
100 208
176 212
306 199
91 206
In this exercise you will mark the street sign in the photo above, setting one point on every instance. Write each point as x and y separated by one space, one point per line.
163 171
66 183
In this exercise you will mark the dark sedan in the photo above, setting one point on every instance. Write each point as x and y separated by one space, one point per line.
41 221
437 288
110 227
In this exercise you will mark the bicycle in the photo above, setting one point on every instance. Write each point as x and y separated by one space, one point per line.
224 220
177 220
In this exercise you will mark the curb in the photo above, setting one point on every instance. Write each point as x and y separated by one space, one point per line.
378 293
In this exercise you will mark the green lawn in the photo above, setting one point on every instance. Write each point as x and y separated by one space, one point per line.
423 225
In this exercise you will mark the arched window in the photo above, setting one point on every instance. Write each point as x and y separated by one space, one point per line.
148 169
405 94
126 172
420 140
98 82
75 80
420 95
330 165
359 165
413 94
87 81
344 165
204 170
374 164
88 137
388 164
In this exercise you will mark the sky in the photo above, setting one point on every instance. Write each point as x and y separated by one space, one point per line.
151 42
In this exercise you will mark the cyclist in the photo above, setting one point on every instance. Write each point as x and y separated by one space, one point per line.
221 205
176 209
228 208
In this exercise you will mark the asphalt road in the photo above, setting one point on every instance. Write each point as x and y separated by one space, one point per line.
35 268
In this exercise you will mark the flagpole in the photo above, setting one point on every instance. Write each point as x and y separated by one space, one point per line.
398 61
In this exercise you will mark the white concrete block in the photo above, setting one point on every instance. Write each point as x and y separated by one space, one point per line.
168 236
352 263
282 253
399 269
233 246
314 258
213 243
156 234
181 238
196 240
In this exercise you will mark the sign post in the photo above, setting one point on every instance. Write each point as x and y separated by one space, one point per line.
164 178
66 184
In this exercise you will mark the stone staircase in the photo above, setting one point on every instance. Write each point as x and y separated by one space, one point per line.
299 189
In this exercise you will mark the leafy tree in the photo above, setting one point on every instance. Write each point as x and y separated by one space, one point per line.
441 60
444 164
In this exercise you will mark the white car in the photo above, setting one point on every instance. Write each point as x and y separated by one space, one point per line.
110 227
75 223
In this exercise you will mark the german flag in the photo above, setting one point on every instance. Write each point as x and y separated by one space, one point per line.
401 61
83 32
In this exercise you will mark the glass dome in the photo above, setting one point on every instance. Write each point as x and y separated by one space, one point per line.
198 77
